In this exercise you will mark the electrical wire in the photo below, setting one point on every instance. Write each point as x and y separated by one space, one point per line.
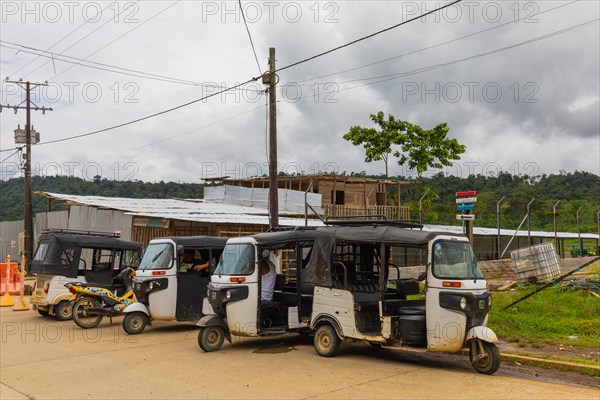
144 118
12 154
109 68
87 20
368 36
137 26
181 134
248 81
250 37
386 78
79 41
480 55
435 45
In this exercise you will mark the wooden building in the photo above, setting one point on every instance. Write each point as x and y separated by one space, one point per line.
342 196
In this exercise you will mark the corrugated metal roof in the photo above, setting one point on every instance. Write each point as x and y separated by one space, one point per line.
509 232
193 210
181 209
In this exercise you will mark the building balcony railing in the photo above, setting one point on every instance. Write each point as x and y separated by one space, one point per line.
377 212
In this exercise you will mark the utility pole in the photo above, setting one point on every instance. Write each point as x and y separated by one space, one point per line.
579 234
529 243
28 212
498 226
555 230
271 80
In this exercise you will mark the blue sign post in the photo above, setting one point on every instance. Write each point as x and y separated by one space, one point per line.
466 203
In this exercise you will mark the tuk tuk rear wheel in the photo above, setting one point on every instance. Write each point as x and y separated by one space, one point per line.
81 316
327 342
211 338
64 311
486 362
135 322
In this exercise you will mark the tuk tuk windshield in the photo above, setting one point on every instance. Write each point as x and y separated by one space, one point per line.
455 260
157 256
237 259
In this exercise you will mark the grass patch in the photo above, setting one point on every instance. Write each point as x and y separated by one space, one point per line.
548 317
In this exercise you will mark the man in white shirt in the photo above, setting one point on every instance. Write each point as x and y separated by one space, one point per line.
268 274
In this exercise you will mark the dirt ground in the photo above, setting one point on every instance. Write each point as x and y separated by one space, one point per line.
41 358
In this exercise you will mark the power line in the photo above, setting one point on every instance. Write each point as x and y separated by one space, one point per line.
437 66
124 34
183 133
146 117
79 41
250 80
64 37
108 67
368 36
12 154
487 53
249 36
435 45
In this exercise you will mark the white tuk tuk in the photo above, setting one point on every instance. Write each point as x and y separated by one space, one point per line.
362 292
164 288
235 290
65 256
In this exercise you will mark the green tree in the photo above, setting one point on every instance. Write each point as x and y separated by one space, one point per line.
378 143
420 149
428 148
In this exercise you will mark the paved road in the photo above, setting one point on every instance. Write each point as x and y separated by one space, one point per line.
41 358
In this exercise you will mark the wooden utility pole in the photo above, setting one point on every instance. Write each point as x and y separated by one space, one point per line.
273 199
28 212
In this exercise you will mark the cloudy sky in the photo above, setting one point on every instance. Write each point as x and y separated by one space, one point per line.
516 81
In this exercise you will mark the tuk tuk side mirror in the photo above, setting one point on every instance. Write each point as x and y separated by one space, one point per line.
265 254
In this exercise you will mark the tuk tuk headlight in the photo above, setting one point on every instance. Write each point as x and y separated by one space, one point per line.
228 294
151 286
463 303
490 301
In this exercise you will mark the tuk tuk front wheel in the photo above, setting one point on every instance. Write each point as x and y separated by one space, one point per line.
64 311
135 322
327 342
211 338
43 313
83 317
484 356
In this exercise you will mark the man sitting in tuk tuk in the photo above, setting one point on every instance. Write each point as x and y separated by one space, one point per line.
189 263
268 274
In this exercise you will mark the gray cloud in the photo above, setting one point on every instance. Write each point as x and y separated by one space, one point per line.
549 103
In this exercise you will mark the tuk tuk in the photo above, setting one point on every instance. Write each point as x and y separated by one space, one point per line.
164 289
65 256
363 293
234 294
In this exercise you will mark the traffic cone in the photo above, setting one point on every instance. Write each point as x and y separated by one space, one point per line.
6 300
22 303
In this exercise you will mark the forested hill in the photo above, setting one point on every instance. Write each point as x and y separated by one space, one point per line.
574 190
12 192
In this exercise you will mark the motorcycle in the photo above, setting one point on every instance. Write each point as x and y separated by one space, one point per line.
92 303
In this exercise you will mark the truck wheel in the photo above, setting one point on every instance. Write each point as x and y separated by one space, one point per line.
135 322
63 311
487 362
82 317
327 342
211 338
